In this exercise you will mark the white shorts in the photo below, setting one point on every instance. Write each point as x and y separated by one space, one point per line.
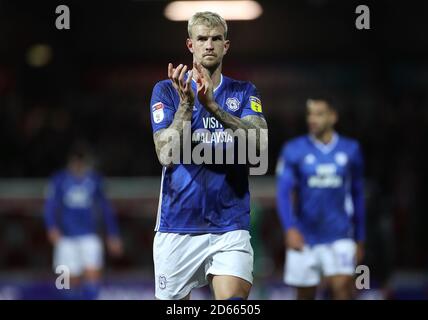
305 268
184 261
79 253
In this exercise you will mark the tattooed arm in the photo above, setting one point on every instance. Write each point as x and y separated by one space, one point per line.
248 123
168 141
234 123
173 135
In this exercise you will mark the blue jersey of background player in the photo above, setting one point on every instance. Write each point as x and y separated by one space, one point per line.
75 203
321 204
203 217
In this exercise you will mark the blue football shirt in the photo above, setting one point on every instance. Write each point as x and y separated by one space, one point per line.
327 181
204 198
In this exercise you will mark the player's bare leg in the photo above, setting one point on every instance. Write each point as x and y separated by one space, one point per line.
75 282
91 274
341 287
226 287
306 293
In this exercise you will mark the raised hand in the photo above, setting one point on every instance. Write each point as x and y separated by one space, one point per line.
205 88
184 88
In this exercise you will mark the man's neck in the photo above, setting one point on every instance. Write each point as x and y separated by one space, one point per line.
326 137
215 75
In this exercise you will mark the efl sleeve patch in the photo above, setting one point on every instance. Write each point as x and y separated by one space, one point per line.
158 113
256 104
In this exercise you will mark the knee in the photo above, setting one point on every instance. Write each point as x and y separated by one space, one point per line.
231 295
342 290
231 288
236 293
308 293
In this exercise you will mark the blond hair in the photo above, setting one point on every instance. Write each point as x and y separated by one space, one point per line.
206 18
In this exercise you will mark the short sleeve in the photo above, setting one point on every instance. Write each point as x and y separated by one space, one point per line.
162 107
252 102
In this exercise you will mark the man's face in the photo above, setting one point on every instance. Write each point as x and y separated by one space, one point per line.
78 166
208 45
320 117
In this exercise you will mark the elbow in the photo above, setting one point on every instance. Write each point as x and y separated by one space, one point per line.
165 153
165 161
263 140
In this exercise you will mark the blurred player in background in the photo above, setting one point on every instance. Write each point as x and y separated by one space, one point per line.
202 230
75 198
320 201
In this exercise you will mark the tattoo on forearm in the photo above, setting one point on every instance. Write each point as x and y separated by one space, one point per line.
251 128
247 123
161 137
234 123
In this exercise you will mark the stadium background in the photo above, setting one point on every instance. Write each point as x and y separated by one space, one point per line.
94 82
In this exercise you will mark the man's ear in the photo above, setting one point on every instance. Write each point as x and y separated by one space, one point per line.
189 45
335 117
226 46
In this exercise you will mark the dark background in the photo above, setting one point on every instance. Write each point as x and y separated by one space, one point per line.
98 82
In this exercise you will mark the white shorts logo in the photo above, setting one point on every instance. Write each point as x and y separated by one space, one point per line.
232 104
162 282
158 113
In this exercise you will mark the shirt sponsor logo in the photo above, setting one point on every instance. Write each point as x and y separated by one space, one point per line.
326 177
207 136
204 136
78 197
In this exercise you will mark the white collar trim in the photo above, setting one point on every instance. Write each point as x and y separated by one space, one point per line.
219 85
325 147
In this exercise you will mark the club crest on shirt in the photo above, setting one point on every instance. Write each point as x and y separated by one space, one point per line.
310 159
162 282
341 158
158 113
232 104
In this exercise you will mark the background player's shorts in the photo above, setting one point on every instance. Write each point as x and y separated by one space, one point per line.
79 253
183 261
305 268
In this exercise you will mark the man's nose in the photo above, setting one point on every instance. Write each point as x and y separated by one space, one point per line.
209 44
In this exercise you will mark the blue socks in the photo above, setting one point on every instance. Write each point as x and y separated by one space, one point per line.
90 290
